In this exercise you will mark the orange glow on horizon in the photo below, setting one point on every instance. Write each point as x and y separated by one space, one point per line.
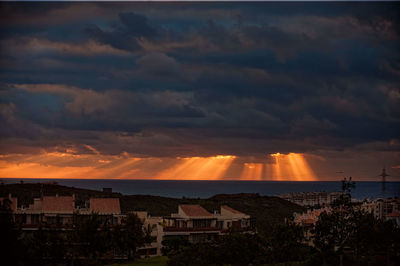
277 167
292 166
199 168
253 171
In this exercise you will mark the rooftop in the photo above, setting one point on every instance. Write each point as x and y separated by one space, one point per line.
231 210
105 205
194 210
58 204
393 214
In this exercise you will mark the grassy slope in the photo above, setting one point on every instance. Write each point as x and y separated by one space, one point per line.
266 210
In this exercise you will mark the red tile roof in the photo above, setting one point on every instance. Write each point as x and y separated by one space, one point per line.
105 205
308 221
58 204
231 210
194 210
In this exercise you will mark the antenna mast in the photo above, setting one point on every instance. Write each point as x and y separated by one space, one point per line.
383 175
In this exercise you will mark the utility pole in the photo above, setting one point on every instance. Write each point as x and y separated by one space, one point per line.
383 175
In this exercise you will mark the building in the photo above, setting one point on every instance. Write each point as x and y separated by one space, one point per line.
375 207
388 209
108 210
60 211
232 220
153 227
395 217
193 223
196 224
312 198
385 209
47 211
310 217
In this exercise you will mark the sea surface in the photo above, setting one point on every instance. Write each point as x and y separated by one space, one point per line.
204 189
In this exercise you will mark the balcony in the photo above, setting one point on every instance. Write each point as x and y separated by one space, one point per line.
239 230
190 229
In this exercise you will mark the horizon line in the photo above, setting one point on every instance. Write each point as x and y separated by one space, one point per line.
195 180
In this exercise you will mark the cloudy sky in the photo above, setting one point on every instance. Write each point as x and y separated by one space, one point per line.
272 91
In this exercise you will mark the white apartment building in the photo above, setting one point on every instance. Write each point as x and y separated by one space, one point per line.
196 224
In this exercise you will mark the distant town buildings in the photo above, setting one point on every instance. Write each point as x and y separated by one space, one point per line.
311 198
385 209
382 209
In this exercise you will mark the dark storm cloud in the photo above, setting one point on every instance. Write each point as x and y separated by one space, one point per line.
136 25
187 79
124 35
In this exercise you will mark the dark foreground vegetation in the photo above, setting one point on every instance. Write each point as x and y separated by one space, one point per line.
344 236
340 238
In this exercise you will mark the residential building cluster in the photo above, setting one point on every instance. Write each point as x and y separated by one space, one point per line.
385 209
311 198
192 222
310 217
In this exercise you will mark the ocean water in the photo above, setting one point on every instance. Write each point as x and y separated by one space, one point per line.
204 189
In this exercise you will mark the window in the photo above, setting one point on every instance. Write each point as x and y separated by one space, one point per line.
35 219
201 223
220 224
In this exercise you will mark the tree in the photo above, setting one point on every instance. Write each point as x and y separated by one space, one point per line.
90 240
283 245
348 230
332 230
330 233
134 235
286 243
348 185
11 246
231 249
173 244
